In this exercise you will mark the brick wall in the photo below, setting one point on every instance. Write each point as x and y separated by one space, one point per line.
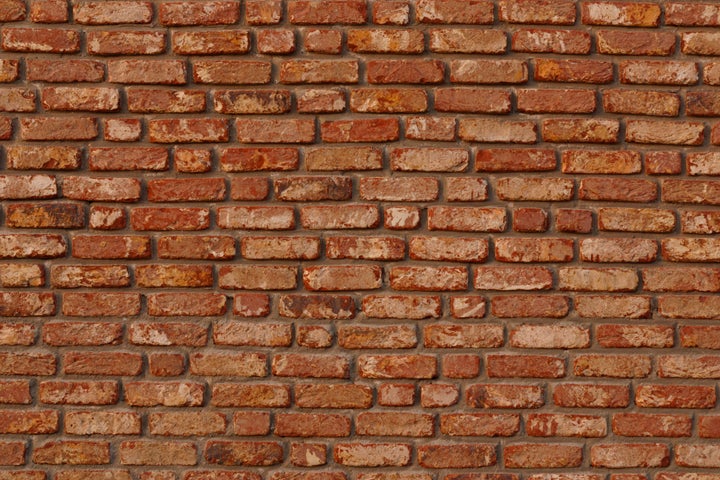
350 240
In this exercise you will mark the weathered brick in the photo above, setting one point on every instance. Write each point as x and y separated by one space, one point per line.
530 455
497 131
565 425
40 40
617 306
555 336
655 72
675 396
372 454
488 71
630 455
633 336
463 336
457 455
186 304
235 72
153 452
573 71
503 395
199 13
525 366
551 41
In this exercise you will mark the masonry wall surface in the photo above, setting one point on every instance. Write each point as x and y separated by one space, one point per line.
350 240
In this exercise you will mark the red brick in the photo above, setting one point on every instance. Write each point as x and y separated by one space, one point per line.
228 364
333 396
58 128
645 425
618 306
250 395
122 130
199 13
13 453
65 70
634 336
525 366
617 366
630 455
125 42
675 396
185 424
497 131
319 71
634 250
251 305
311 425
243 72
551 41
323 41
346 12
388 100
690 249
18 187
17 334
29 422
105 363
258 159
252 334
428 278
128 158
453 11
308 454
41 364
186 304
550 336
113 12
401 306
27 304
640 102
618 42
71 453
469 100
664 132
597 279
500 395
192 160
397 366
263 12
467 306
251 423
555 101
372 454
256 218
561 12
589 395
699 43
448 249
580 131
251 101
321 101
530 455
316 306
82 333
144 100
79 392
622 14
534 189
174 276
439 395
655 72
636 220
274 131
488 71
573 71
264 248
349 217
401 218
101 304
102 423
391 12
405 71
395 424
167 333
191 130
39 40
457 455
12 11
526 306
662 163
153 452
692 14
396 394
17 100
512 278
166 364
467 219
168 72
559 425
463 336
385 41
171 394
510 160
394 189
15 392
462 40
527 250
310 366
196 247
216 42
110 247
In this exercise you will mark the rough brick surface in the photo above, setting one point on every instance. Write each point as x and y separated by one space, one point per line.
359 239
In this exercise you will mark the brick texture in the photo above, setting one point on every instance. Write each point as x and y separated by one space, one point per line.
359 239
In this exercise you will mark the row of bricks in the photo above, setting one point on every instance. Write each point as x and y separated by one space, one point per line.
193 304
355 12
305 131
418 189
456 455
367 216
504 396
397 71
701 103
372 41
349 158
567 336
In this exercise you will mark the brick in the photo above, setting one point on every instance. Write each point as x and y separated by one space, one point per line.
401 218
196 247
319 71
401 306
185 424
597 279
351 12
17 334
699 43
102 423
251 423
531 11
691 14
391 13
617 366
698 222
256 218
395 424
488 71
305 189
311 425
329 218
497 131
525 366
649 425
463 40
591 396
122 130
560 425
618 42
252 334
397 366
467 306
235 72
79 392
512 278
153 452
573 71
41 364
467 219
551 41
113 12
701 164
469 100
448 249
372 454
530 455
530 220
316 306
388 100
101 304
321 101
621 14
192 160
640 102
385 41
187 304
279 42
555 336
167 333
199 13
604 250
369 248
251 159
499 395
228 364
166 364
511 160
675 396
308 454
111 247
13 453
274 131
167 72
617 306
169 218
396 394
39 40
686 366
173 276
186 190
698 336
555 101
125 42
525 306
251 101
463 336
526 250
17 100
216 42
250 395
629 455
697 455
669 279
450 12
143 100
655 72
428 278
462 189
106 363
457 455
634 336
64 71
101 189
580 131
534 189
72 453
82 333
333 396
662 163
13 11
171 394
665 132
128 158
310 366
264 248
191 130
636 220
601 162
18 187
347 277
405 71
58 128
29 422
439 395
